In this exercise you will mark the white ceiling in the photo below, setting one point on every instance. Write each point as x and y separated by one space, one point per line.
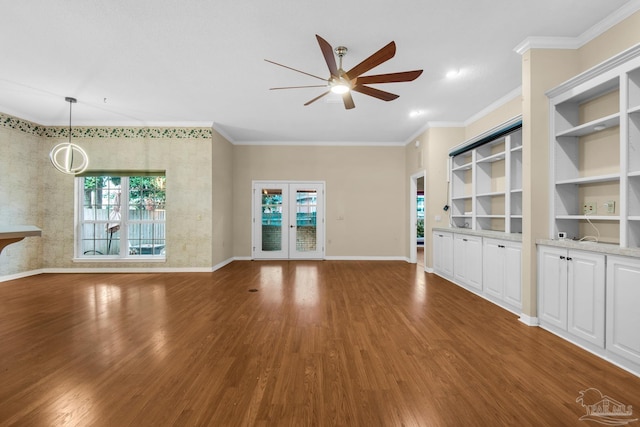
200 62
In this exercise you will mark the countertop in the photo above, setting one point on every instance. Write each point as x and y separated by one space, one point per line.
515 237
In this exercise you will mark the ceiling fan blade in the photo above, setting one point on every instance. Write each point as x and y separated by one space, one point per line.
348 101
405 76
275 63
316 98
329 58
384 54
295 87
376 93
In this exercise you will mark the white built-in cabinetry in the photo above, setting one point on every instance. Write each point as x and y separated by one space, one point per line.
486 181
443 253
467 260
571 292
502 271
589 291
481 262
623 308
595 153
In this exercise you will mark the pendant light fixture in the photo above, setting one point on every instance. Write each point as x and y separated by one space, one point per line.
67 157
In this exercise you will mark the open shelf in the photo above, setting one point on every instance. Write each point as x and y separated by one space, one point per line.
590 179
486 184
595 149
593 126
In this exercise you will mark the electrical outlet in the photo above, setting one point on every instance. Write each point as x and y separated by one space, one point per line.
609 206
589 208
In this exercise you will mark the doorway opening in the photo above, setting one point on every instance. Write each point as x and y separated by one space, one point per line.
417 208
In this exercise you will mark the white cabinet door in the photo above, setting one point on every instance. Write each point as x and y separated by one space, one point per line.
443 253
585 294
513 273
623 307
467 264
502 265
552 286
493 271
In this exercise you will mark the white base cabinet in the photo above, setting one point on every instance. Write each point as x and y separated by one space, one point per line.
502 261
443 253
467 261
623 307
571 290
481 263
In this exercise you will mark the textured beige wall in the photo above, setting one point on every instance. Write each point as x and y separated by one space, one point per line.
618 38
494 118
541 70
440 141
189 223
21 164
222 199
432 157
364 185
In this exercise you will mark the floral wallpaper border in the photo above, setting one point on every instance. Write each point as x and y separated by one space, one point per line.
26 126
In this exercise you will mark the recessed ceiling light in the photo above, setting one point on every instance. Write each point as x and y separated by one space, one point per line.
416 113
452 74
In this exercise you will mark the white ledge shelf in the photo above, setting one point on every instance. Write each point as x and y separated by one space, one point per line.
465 167
492 158
589 179
491 194
14 233
591 217
594 126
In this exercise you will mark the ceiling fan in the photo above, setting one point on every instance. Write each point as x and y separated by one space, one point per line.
344 82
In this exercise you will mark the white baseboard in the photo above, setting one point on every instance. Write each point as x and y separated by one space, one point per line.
174 269
366 258
20 275
129 270
428 270
528 320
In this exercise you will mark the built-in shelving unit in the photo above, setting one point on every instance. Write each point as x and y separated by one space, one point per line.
486 181
595 153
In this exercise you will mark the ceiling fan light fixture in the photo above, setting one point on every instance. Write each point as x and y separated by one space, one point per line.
340 88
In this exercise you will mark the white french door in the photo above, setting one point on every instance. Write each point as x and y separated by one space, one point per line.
288 220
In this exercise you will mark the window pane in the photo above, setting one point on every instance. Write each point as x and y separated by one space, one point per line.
105 210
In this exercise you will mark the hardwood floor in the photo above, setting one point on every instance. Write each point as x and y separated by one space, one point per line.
324 343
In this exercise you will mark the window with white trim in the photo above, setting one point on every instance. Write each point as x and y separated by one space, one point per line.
121 216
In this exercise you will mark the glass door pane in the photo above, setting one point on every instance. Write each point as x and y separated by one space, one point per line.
271 223
306 215
306 238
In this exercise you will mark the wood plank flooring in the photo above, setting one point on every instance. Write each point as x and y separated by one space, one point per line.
319 343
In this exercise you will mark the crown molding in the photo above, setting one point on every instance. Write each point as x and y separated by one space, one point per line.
619 15
432 125
547 43
517 92
608 65
218 128
324 143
